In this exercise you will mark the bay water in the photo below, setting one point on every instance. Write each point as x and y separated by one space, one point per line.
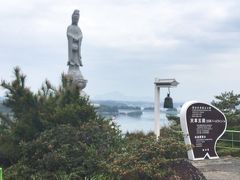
144 123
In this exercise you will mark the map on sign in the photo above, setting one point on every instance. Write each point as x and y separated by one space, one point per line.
202 125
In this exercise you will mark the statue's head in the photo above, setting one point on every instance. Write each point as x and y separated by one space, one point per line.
75 17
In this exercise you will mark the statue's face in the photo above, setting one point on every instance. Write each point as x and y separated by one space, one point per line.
75 19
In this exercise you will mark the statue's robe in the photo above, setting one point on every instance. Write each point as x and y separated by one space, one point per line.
74 35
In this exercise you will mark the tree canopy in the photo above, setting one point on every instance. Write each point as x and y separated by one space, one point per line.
53 131
228 103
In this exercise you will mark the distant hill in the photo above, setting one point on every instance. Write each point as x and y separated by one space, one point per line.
143 104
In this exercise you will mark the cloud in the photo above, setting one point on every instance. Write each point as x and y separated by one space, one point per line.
126 43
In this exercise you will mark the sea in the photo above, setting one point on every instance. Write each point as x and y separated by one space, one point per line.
144 123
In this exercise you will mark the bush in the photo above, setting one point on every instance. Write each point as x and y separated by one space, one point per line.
228 151
142 157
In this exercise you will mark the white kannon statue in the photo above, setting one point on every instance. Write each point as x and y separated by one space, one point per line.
74 35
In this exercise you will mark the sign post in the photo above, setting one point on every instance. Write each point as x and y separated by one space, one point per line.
202 125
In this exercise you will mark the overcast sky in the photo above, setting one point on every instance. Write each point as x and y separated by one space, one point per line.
126 44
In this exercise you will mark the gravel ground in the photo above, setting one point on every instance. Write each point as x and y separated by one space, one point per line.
225 168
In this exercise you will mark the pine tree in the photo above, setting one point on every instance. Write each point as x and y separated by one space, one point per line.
53 132
228 103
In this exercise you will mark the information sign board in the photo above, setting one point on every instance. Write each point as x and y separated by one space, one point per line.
202 125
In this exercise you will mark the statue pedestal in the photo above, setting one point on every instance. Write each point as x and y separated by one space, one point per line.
77 77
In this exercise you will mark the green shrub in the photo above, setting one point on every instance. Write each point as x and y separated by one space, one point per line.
142 157
235 152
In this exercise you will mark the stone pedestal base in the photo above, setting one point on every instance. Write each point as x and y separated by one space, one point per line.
77 77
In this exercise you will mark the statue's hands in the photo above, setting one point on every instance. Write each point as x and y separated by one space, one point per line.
75 39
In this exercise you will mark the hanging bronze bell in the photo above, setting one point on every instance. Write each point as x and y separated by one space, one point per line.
168 102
